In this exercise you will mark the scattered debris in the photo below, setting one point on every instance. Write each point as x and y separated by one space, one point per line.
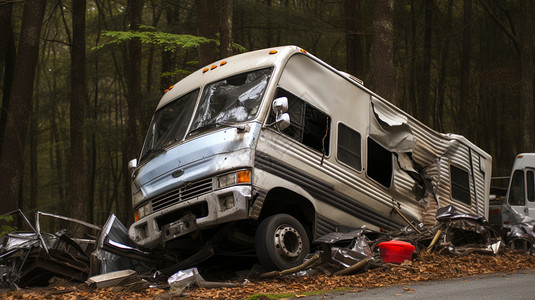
109 279
112 260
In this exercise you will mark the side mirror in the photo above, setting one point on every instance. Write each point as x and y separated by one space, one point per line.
280 105
283 121
132 165
282 118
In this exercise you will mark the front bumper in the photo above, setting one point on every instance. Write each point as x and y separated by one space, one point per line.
218 207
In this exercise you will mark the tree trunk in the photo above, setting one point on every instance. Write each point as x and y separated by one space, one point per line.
77 194
355 63
383 53
425 74
526 68
6 8
134 136
464 106
206 27
7 62
11 158
225 29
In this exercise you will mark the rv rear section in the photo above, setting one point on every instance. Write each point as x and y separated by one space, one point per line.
263 152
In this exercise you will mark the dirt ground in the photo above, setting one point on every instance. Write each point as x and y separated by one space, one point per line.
423 268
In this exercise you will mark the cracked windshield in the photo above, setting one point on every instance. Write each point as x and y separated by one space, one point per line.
225 102
231 100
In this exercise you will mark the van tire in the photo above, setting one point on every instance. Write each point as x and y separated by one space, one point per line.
281 242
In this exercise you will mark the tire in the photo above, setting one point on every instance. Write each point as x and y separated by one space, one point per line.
281 242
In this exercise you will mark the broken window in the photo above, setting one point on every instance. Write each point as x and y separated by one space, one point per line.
460 185
308 125
379 163
516 192
231 100
349 147
169 124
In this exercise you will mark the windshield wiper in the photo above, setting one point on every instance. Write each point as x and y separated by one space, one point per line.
204 127
151 153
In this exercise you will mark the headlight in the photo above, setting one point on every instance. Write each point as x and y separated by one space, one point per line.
229 179
141 212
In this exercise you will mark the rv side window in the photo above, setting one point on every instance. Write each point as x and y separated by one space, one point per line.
349 147
307 124
379 163
460 185
530 178
516 192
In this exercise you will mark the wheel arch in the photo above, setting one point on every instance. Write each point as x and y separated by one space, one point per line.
284 201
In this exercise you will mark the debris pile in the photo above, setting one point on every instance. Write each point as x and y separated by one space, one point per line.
111 259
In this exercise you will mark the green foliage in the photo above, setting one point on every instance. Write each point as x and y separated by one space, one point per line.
169 41
4 229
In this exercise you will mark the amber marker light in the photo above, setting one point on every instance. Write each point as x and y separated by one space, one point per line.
273 52
213 67
136 216
205 70
303 50
243 176
223 63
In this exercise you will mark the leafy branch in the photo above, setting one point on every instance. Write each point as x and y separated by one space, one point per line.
169 41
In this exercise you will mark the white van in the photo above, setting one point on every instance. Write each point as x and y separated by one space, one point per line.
270 149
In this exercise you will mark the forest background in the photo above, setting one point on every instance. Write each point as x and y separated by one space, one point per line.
81 78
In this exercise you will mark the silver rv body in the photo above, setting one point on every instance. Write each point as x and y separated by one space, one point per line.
220 150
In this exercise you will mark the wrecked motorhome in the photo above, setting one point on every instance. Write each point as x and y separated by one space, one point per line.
270 149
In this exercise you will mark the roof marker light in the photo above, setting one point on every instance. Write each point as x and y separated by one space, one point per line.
213 67
273 52
303 50
223 63
205 70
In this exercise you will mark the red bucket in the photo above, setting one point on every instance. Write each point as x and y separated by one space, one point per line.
395 251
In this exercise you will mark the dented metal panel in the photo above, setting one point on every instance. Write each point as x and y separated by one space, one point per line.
411 173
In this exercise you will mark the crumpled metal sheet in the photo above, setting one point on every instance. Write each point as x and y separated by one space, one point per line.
347 248
463 234
32 258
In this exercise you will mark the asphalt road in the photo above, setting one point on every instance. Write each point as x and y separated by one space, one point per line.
519 285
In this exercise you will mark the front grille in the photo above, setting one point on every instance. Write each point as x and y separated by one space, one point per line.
183 193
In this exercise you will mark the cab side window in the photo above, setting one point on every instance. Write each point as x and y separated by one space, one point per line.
516 192
349 147
379 163
308 125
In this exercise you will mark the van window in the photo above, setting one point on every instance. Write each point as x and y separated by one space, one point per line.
516 192
349 148
379 163
169 124
308 125
530 182
460 185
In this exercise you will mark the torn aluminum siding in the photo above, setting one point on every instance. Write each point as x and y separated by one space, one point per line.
421 160
435 153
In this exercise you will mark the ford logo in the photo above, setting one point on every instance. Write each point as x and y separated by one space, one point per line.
177 174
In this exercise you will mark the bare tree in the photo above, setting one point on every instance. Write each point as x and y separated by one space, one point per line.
7 60
78 100
225 29
206 27
355 58
382 50
11 158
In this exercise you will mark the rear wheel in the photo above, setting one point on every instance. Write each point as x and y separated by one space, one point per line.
281 242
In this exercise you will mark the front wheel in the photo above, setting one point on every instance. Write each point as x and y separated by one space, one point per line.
281 242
